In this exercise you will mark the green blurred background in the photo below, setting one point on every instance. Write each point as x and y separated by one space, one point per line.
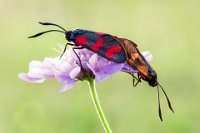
169 29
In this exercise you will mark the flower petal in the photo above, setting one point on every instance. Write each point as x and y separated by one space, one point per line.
102 68
107 71
68 84
35 64
30 79
74 73
148 56
128 69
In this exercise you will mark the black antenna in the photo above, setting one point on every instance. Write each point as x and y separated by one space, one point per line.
48 23
159 108
41 33
168 101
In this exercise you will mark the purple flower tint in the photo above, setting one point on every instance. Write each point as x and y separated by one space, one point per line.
67 69
128 69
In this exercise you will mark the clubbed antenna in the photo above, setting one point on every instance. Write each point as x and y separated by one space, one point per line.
41 33
159 108
48 23
168 101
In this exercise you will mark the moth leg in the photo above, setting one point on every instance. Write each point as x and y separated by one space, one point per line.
136 78
71 44
78 56
63 51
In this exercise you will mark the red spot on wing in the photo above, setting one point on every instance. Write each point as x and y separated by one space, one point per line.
97 45
99 33
81 40
112 50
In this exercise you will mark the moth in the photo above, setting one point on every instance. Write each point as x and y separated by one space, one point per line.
113 48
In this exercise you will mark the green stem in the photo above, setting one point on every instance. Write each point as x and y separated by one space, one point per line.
97 105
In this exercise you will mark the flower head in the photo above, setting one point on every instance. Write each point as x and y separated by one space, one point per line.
68 69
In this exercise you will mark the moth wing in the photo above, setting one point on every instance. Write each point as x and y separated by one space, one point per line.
106 46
